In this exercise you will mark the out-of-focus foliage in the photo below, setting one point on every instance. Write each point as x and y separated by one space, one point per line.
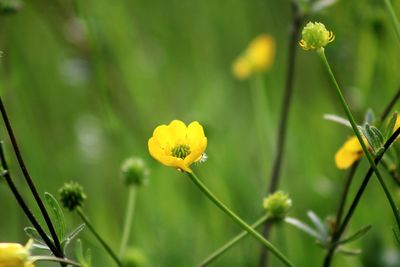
86 82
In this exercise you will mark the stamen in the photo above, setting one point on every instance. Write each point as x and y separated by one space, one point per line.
180 151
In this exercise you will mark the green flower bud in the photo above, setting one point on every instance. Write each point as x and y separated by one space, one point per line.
315 36
72 195
277 204
134 258
134 171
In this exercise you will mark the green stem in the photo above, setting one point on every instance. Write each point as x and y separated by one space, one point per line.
212 257
54 259
394 18
346 108
128 220
237 219
98 237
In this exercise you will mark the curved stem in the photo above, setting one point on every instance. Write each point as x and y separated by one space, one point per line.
394 18
213 256
54 259
346 108
22 203
29 180
237 219
346 220
128 220
98 237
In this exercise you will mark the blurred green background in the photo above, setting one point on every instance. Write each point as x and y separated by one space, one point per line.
86 82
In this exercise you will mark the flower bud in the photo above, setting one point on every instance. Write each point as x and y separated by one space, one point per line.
134 171
72 195
15 255
315 36
134 258
277 204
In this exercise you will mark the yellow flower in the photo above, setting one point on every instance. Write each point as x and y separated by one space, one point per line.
350 152
177 145
15 255
258 56
397 124
315 36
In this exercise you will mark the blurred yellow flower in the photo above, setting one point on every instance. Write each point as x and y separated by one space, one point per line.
177 145
15 255
258 56
350 152
397 124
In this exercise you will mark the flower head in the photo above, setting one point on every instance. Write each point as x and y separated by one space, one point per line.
134 171
350 152
277 204
72 195
15 255
177 145
258 56
315 36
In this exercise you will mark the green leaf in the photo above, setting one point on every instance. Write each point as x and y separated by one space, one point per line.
37 239
56 214
337 119
349 252
69 237
321 5
33 233
369 117
318 224
390 127
84 260
374 137
357 235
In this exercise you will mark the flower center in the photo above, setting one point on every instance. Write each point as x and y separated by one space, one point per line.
180 151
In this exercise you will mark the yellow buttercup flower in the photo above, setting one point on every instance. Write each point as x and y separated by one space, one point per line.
350 152
258 56
15 255
177 145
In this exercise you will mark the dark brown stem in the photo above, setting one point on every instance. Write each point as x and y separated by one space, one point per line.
345 192
29 180
284 114
390 106
336 237
21 202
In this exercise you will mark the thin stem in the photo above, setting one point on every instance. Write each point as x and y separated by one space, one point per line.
237 219
354 204
297 20
29 180
128 220
54 259
21 202
390 106
345 192
98 237
394 18
213 256
321 53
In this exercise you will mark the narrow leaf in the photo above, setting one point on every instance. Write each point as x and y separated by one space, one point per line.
357 235
337 119
33 233
349 252
69 237
369 117
374 137
321 5
318 224
303 227
56 214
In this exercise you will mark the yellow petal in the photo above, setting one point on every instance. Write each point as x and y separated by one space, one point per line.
194 135
353 145
241 68
163 156
177 131
261 52
163 137
13 255
397 124
344 158
196 152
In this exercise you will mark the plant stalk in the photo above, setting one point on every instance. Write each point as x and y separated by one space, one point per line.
128 220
